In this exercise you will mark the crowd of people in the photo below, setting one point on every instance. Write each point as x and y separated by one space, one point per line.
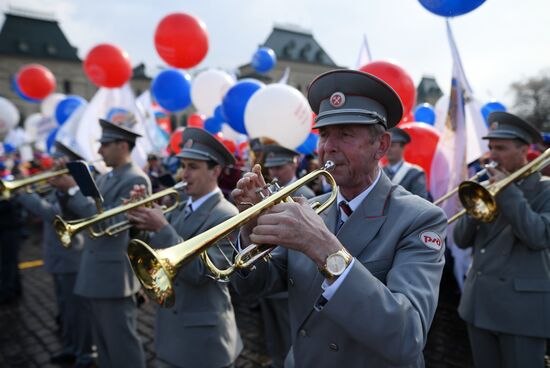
355 285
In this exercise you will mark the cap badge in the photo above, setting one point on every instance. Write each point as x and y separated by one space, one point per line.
337 99
494 125
188 143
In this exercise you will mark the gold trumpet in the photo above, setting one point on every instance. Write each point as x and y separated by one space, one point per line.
156 269
478 175
479 201
8 187
66 229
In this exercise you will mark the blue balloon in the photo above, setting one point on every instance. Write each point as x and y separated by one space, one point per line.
489 107
15 88
235 100
50 140
172 89
9 148
264 59
218 113
213 125
450 8
66 107
546 138
309 145
425 113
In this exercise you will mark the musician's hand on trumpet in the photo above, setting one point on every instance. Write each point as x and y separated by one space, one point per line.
247 194
296 226
496 173
145 218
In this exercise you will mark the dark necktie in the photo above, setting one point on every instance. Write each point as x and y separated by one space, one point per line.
344 206
187 211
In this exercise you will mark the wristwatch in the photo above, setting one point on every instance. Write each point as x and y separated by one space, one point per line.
336 263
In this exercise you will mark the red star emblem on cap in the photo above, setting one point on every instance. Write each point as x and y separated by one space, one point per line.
337 99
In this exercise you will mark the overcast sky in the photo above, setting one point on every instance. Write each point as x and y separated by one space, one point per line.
500 42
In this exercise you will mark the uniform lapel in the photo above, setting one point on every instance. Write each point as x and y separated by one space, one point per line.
195 220
366 219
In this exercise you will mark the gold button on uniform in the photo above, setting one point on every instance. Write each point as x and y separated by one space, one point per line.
303 333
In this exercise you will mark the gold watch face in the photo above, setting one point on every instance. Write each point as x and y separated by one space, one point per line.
336 264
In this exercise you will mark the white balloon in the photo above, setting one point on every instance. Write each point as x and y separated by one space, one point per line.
208 89
9 115
31 125
230 133
49 104
279 112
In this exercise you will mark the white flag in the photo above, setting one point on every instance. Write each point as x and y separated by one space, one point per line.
459 144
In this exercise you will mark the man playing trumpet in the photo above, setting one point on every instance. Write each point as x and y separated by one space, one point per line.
362 277
507 289
200 329
105 276
63 264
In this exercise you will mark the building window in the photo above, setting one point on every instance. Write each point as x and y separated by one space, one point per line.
51 49
23 46
67 87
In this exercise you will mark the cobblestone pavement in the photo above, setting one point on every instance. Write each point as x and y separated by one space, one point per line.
28 331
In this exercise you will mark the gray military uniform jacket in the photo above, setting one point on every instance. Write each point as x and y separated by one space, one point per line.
507 288
200 329
414 180
381 313
57 259
105 269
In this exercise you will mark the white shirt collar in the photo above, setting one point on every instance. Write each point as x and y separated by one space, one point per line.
396 167
355 202
196 204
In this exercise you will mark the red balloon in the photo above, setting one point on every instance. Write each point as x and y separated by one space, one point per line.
108 66
421 150
241 148
46 162
35 81
230 145
407 118
181 40
196 121
175 140
397 78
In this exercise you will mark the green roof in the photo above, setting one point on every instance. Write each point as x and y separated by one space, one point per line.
36 38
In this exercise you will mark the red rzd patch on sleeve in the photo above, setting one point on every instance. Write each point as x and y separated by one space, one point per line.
431 239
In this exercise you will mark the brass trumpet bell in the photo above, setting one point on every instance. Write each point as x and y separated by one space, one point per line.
479 202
